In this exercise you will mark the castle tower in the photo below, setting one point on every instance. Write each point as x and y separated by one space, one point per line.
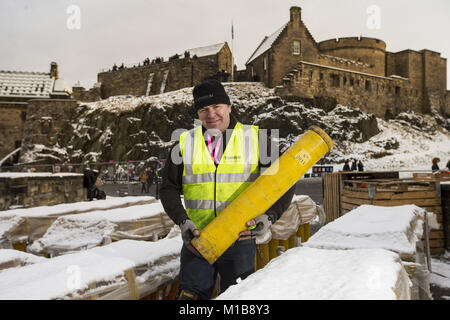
296 14
54 70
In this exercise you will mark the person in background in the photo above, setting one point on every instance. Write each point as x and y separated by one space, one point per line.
360 166
354 165
435 167
143 180
346 166
448 165
89 181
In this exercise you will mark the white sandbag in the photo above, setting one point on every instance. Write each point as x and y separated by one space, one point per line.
395 228
302 210
125 269
319 274
34 222
83 231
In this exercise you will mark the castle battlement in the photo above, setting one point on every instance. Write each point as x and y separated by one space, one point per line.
352 42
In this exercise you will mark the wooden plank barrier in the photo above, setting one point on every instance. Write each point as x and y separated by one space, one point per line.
396 192
332 188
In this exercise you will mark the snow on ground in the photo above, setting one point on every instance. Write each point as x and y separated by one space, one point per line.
318 274
415 151
440 273
125 103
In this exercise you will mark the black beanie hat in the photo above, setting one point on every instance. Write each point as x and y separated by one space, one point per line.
209 92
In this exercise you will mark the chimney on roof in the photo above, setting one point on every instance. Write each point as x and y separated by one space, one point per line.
296 14
54 70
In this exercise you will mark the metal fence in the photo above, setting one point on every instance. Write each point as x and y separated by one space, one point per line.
113 171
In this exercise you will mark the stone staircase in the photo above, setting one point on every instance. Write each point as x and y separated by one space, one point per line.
289 80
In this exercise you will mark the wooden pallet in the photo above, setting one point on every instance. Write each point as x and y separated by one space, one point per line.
332 188
397 192
432 176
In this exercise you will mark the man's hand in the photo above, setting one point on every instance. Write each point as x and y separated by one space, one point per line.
188 231
256 227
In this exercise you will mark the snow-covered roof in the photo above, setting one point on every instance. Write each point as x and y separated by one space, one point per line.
25 84
61 86
207 50
266 44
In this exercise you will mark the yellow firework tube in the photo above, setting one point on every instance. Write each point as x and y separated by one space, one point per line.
224 230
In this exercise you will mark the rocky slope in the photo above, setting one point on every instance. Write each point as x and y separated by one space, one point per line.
126 128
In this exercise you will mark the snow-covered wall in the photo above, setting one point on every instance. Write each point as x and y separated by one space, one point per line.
123 128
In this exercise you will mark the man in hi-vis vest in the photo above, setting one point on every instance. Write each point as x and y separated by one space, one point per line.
211 165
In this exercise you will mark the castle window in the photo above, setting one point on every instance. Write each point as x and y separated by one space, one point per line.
397 90
352 82
265 63
46 125
367 85
296 48
345 81
321 76
23 116
334 80
311 75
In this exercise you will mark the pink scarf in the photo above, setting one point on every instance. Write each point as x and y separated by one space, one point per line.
214 151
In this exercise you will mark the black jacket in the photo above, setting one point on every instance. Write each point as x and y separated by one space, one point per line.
171 187
435 167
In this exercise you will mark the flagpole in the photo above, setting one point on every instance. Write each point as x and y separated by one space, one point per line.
232 52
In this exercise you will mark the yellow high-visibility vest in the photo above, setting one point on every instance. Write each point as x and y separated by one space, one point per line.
208 189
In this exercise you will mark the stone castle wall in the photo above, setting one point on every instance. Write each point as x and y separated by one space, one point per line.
28 190
155 78
373 94
164 76
81 94
387 81
12 120
360 49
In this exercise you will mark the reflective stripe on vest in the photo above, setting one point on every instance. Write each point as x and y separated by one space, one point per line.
237 169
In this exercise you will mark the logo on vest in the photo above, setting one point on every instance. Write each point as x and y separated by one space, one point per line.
233 157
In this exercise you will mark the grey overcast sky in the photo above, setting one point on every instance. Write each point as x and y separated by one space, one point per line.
36 32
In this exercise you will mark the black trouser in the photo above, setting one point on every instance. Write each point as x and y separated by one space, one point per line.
198 277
